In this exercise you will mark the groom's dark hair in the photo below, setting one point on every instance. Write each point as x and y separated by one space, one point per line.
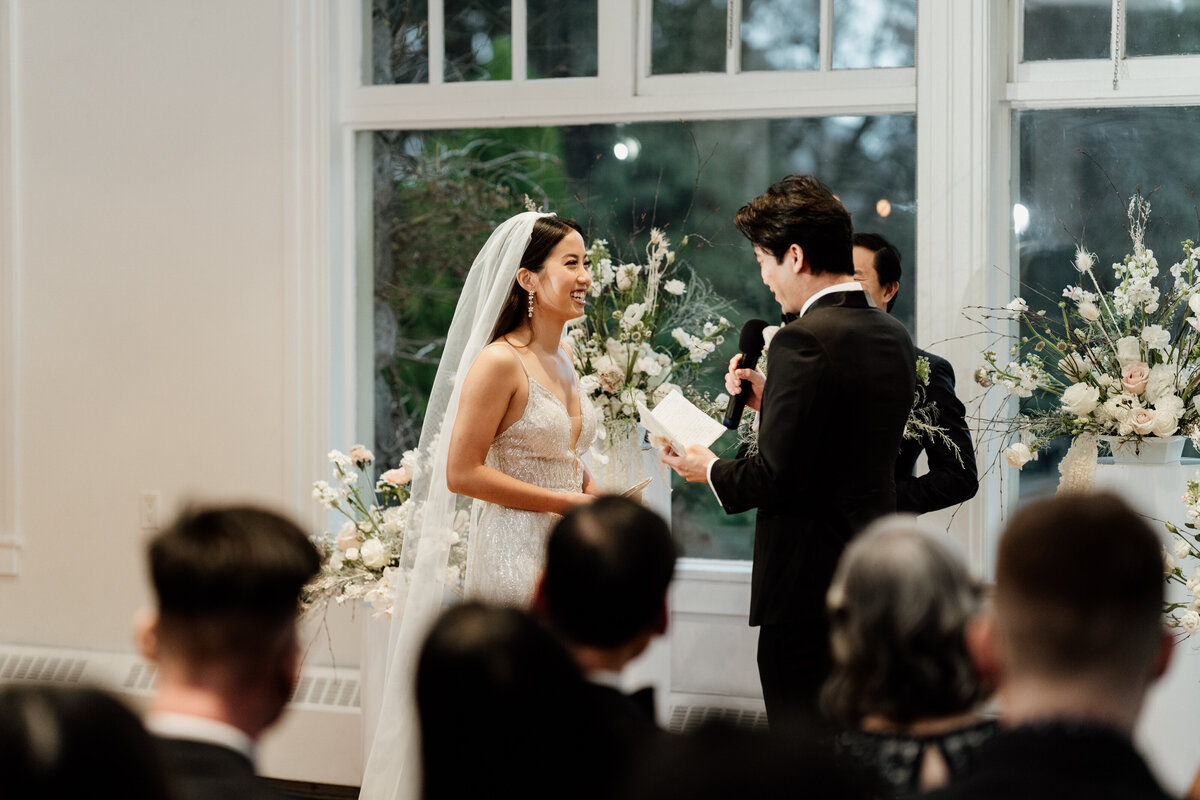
800 210
608 566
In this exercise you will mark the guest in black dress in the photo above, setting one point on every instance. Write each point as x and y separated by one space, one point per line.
903 687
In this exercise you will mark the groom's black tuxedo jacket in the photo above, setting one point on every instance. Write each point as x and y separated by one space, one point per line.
840 383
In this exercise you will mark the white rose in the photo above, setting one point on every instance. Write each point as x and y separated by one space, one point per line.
674 287
1194 304
1156 338
374 554
1019 454
347 537
1190 621
1182 550
1018 304
1128 350
769 334
1080 399
625 275
589 384
1089 311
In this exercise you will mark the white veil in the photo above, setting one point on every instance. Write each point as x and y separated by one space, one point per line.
393 765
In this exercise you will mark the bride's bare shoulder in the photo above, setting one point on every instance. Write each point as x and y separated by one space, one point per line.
497 363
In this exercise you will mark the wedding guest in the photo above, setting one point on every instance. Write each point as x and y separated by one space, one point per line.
503 712
74 742
603 592
1073 642
903 685
720 761
952 477
228 584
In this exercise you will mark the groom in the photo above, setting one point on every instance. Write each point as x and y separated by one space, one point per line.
839 387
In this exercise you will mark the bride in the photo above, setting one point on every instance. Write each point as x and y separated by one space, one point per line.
522 420
505 424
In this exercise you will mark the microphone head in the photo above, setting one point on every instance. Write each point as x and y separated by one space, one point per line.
750 343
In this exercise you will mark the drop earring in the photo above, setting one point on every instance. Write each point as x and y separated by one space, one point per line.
531 304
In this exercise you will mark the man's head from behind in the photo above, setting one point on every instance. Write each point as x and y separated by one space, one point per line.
228 582
800 211
1078 598
608 566
877 268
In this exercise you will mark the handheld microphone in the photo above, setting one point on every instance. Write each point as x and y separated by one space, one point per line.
750 344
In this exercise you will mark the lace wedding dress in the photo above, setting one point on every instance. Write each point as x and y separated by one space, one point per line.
508 545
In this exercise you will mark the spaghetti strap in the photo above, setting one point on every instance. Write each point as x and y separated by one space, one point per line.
520 360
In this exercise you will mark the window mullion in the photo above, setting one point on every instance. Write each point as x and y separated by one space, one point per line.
733 37
520 35
825 32
437 42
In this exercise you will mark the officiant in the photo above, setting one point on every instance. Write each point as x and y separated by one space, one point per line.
839 386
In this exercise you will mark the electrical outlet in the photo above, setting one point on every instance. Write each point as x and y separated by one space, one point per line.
148 511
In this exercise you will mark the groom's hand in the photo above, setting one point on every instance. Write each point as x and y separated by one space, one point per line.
735 376
691 465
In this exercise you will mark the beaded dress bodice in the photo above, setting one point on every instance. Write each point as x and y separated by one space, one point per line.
507 546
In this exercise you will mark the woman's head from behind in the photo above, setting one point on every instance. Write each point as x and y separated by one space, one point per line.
898 605
553 261
493 684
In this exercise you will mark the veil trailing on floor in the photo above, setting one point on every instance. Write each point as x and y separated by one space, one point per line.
393 765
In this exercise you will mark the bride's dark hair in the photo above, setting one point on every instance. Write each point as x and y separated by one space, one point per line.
547 233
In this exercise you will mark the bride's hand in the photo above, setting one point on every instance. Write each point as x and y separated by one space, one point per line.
573 499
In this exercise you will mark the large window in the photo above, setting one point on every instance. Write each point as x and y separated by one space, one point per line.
1078 168
439 193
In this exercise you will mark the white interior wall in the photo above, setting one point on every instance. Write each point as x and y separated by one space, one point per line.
149 191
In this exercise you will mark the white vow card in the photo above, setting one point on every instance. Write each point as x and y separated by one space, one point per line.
678 421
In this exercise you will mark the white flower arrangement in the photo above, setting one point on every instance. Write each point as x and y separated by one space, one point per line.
648 328
1123 363
361 561
1185 614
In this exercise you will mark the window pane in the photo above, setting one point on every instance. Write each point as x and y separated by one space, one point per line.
780 34
561 39
399 46
687 36
438 195
478 40
1066 161
873 33
1163 27
1060 29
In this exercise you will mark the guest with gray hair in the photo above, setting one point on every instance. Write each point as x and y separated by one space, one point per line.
903 686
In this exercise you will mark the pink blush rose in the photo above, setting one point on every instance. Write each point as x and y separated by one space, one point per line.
396 477
347 537
1134 376
361 456
1142 421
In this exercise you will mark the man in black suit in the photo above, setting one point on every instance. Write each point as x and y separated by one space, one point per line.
1072 650
603 592
839 387
952 477
228 584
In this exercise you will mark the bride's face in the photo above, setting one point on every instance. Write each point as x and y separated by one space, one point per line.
561 287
